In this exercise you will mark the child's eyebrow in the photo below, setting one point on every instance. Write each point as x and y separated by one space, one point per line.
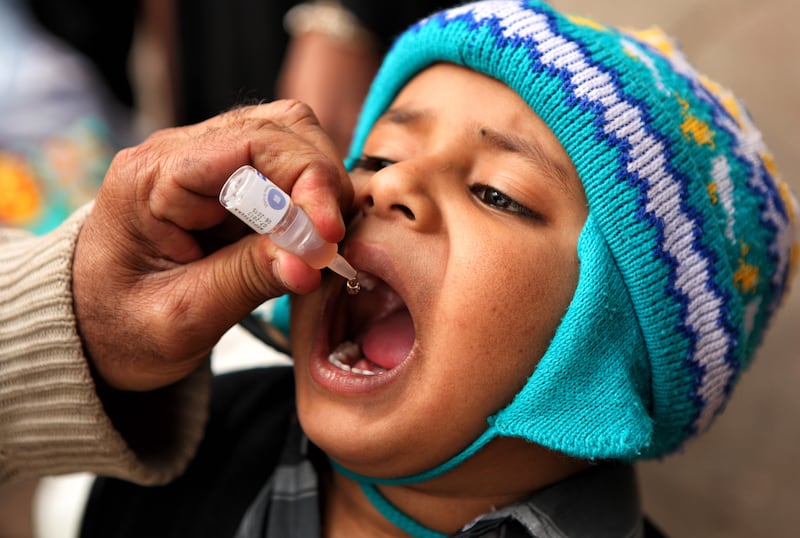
404 116
532 151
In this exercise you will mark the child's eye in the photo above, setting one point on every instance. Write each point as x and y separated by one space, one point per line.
500 200
372 164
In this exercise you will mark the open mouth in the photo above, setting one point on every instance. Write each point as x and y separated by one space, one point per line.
373 331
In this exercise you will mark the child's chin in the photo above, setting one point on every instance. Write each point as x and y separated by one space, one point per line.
376 451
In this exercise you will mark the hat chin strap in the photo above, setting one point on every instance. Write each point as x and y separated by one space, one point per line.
399 519
392 513
439 470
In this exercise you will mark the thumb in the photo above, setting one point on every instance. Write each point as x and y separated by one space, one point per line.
239 277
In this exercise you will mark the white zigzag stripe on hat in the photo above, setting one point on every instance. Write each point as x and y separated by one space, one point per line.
749 146
705 315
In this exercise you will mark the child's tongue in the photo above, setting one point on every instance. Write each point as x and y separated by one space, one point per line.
389 340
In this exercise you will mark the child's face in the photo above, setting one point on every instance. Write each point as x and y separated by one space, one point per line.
469 233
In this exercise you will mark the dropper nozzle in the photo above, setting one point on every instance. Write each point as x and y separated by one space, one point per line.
264 207
340 266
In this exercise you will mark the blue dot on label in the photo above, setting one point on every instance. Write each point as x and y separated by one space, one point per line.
276 199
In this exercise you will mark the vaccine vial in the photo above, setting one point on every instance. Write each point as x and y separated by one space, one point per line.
263 206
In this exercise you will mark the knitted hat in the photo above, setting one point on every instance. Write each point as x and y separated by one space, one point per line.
689 241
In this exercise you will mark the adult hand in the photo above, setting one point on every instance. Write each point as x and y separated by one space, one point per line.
162 270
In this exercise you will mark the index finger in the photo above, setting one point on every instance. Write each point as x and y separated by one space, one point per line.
316 181
282 139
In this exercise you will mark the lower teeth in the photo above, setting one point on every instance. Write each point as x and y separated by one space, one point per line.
345 351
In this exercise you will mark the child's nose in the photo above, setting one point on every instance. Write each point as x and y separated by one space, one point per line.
402 192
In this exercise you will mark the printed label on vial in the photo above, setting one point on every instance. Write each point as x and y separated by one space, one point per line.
275 199
260 203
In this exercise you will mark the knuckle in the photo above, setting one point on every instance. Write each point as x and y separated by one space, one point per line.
294 108
285 112
295 113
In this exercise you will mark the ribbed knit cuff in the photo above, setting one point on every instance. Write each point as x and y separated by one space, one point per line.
51 418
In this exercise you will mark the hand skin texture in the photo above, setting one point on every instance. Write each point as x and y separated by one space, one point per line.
162 270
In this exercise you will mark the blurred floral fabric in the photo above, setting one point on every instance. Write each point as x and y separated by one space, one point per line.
59 128
41 184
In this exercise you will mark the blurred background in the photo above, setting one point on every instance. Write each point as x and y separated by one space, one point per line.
740 479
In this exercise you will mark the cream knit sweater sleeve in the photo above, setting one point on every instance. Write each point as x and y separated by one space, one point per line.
52 420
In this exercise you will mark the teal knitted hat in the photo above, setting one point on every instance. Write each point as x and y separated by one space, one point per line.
690 237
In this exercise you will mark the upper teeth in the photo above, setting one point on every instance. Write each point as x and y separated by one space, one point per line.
367 281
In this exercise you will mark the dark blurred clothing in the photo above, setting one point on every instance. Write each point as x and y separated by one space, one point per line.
228 51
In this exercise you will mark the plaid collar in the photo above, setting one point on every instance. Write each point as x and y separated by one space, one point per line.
606 497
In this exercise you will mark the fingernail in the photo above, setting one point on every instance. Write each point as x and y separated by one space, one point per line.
277 271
